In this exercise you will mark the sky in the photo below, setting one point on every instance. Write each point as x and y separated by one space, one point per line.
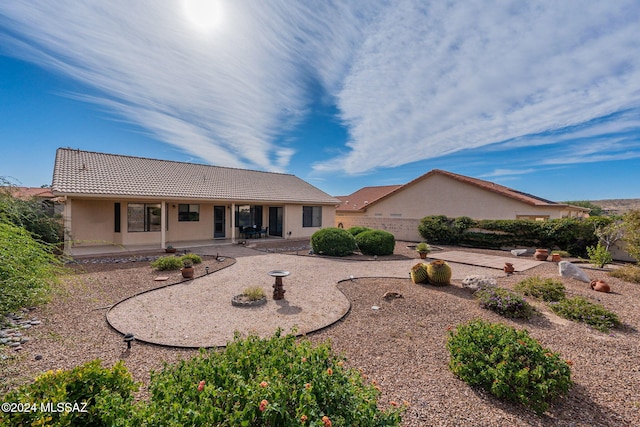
540 96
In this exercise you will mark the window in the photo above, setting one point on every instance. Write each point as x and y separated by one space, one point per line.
143 217
188 212
248 216
312 216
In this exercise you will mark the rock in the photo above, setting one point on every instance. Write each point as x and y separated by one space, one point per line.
18 348
24 340
4 340
14 344
475 282
566 269
518 252
36 322
392 295
38 357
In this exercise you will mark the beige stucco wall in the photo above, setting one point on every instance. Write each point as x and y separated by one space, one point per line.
441 195
293 228
98 231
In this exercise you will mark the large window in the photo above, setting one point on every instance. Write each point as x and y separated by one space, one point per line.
248 216
312 216
143 217
188 212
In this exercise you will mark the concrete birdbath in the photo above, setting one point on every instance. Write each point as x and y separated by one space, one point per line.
278 289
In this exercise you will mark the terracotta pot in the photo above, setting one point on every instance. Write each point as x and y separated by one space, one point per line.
600 286
556 258
187 272
541 254
423 255
508 268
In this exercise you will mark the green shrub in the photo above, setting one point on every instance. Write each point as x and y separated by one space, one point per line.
628 273
195 259
582 310
504 302
631 225
264 382
357 230
438 229
544 289
508 363
167 263
333 242
28 269
376 242
599 255
254 293
99 396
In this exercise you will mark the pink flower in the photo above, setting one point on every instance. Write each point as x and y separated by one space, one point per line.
201 385
263 405
264 384
303 419
326 421
307 386
329 371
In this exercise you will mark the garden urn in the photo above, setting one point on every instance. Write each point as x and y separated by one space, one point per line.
600 286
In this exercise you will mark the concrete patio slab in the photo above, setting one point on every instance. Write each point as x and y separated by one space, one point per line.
482 260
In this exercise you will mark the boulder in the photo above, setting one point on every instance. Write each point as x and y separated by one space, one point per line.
566 269
475 282
518 252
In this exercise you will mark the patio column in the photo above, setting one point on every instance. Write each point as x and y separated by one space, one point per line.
67 236
163 224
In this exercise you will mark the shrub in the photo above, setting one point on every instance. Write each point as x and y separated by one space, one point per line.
504 302
631 224
167 263
438 229
582 310
101 396
357 230
195 259
628 273
544 289
275 381
599 255
508 363
376 242
27 271
333 242
254 293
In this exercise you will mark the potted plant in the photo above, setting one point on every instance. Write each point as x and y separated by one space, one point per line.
423 249
170 249
250 297
187 269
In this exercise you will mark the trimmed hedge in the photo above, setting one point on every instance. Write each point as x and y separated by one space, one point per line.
333 242
376 242
357 230
570 234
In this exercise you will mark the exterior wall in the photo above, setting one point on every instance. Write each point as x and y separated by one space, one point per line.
192 230
405 229
441 195
97 231
292 227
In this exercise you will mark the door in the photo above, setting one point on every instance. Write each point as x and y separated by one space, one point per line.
219 222
275 221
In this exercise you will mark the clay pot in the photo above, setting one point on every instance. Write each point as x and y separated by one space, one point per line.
508 268
187 272
600 286
556 258
541 254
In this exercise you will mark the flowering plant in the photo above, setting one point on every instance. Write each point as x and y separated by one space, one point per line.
504 302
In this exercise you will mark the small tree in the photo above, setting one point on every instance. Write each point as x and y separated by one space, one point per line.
610 233
631 224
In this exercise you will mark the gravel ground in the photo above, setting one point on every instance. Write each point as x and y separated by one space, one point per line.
401 345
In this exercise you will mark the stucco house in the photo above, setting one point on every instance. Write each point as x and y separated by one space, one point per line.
121 200
399 208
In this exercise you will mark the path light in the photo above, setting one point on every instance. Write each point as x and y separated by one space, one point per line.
129 338
206 269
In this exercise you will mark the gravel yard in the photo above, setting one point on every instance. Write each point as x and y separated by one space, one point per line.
401 345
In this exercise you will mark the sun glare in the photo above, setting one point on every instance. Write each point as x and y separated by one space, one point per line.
204 15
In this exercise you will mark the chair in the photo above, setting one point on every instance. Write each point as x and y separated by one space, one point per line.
264 231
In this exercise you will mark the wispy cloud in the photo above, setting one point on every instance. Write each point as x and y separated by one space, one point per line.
412 80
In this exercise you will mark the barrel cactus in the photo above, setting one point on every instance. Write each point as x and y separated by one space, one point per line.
418 273
438 273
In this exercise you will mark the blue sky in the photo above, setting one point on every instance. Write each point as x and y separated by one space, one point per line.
540 96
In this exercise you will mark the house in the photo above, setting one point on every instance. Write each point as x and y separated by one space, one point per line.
122 200
50 204
399 208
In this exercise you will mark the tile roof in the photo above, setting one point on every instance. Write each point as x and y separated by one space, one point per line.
486 185
364 197
87 173
29 192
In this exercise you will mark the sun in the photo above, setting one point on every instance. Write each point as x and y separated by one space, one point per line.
204 15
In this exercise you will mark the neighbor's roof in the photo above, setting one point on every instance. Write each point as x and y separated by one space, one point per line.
486 185
29 192
88 173
364 197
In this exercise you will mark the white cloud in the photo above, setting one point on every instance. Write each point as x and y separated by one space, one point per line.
412 79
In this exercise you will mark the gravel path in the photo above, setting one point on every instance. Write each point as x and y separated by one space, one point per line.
401 345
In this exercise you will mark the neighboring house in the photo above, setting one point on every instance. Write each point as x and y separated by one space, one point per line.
50 204
399 208
124 200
